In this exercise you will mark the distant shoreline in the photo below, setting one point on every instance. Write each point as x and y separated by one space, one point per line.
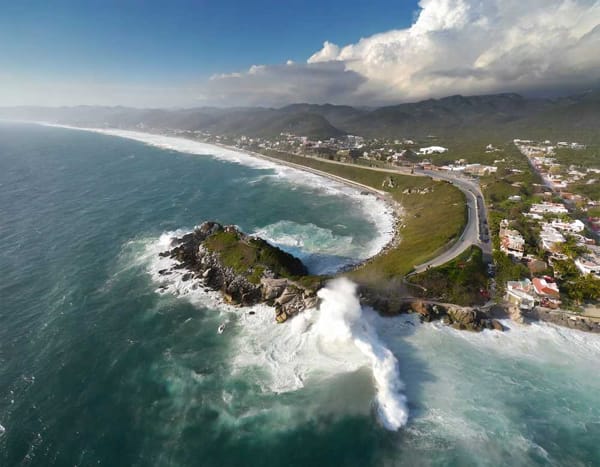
393 207
382 196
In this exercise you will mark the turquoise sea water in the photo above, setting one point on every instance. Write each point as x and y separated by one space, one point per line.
99 368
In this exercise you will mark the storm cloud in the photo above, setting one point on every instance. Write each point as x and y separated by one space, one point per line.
453 46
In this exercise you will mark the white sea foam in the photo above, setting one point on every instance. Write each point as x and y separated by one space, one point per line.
341 318
374 210
317 345
337 338
322 251
539 341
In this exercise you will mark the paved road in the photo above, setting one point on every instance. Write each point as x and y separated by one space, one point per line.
476 231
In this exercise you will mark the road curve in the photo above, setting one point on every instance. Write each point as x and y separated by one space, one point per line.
476 232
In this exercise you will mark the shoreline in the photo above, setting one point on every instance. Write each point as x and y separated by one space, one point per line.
392 207
395 207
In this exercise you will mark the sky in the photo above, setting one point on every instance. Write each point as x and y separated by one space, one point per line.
272 53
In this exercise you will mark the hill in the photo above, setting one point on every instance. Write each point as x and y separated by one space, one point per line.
505 115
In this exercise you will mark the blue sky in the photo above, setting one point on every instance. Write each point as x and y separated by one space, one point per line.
272 53
157 41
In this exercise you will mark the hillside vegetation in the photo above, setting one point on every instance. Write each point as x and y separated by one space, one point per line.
493 116
435 215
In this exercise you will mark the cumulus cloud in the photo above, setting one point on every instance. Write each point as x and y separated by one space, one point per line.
453 46
277 85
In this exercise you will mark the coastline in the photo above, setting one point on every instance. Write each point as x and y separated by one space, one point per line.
390 233
393 207
382 196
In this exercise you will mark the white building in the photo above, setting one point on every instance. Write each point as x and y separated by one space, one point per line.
548 208
521 293
549 237
589 264
433 150
480 170
572 227
511 241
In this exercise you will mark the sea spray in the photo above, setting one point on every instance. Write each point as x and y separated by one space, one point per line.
341 319
375 212
336 338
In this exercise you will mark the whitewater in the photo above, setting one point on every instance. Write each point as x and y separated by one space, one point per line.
105 361
335 338
302 242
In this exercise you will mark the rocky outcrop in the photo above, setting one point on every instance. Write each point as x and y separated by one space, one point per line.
246 270
472 320
516 315
467 319
563 318
463 318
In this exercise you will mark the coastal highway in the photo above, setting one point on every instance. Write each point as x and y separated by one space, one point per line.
476 232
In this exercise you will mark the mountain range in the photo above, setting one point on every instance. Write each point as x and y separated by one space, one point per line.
504 115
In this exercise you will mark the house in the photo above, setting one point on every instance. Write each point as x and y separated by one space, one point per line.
433 150
511 241
549 237
399 157
548 208
453 168
536 265
570 196
589 263
547 291
480 170
521 294
572 227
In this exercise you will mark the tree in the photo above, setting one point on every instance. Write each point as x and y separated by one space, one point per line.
571 248
582 288
565 270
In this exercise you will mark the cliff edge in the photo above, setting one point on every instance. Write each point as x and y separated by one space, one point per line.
245 269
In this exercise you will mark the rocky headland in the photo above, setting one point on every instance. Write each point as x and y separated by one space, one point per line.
245 269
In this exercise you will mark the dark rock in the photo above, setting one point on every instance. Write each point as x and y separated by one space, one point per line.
187 276
256 272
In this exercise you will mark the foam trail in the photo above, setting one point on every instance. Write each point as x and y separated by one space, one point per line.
377 213
341 319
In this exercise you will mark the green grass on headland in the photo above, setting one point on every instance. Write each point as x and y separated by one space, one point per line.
430 223
459 281
252 256
435 214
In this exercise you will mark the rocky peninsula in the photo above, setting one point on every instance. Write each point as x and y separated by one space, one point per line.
245 269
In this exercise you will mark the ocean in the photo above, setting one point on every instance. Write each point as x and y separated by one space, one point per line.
105 362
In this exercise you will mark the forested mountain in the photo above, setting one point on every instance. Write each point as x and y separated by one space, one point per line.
502 114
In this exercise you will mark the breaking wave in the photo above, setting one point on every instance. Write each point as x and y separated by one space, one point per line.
341 319
376 212
321 250
320 344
